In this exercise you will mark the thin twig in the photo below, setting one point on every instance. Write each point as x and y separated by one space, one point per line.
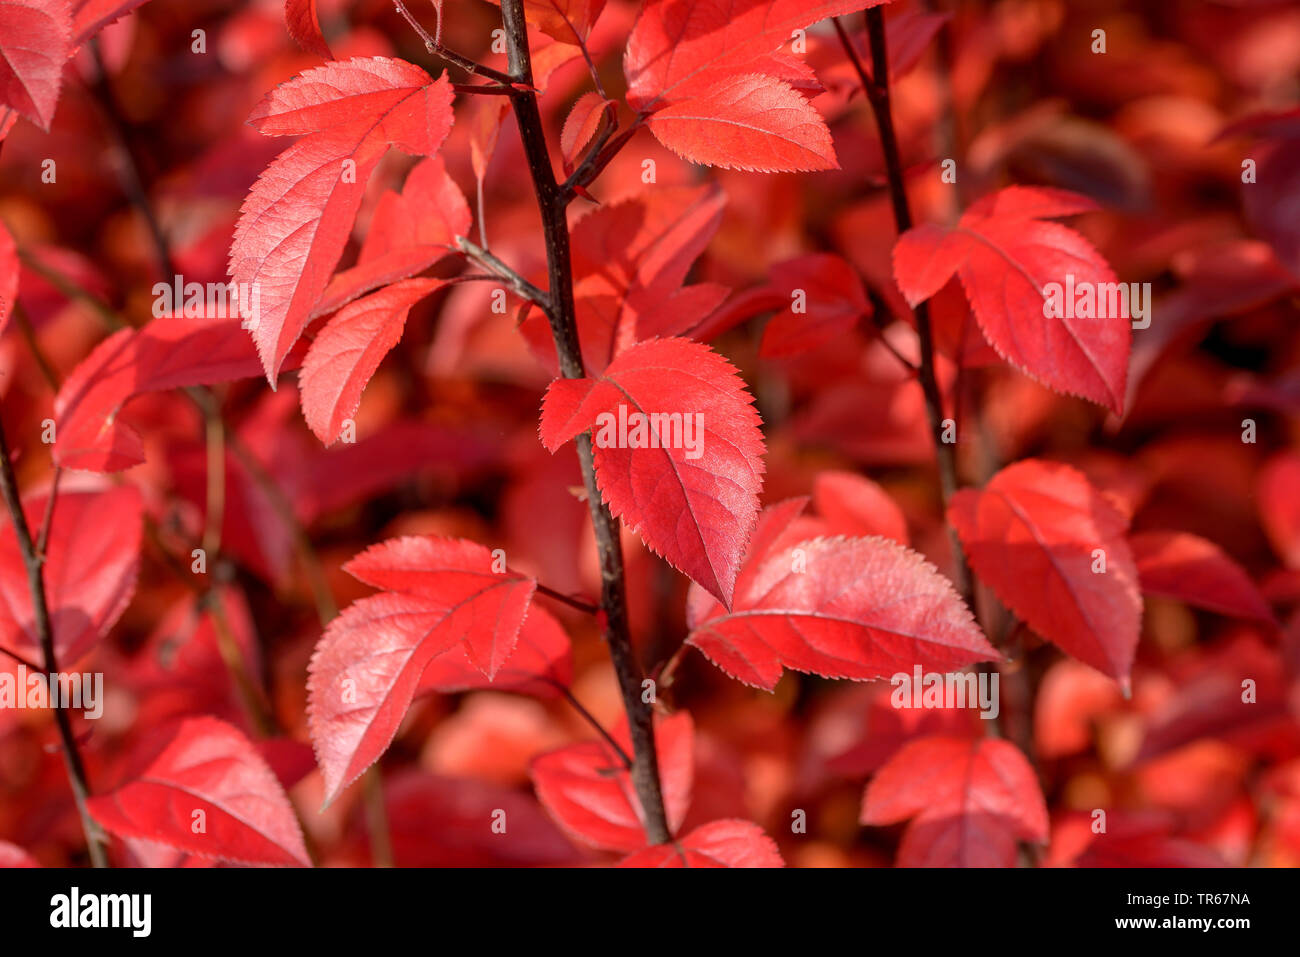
876 86
33 345
434 46
569 600
551 202
45 633
595 162
492 264
129 168
47 520
591 720
482 89
30 665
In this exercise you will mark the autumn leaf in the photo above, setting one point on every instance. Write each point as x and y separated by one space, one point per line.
295 222
630 259
348 350
969 800
854 505
1007 256
581 125
304 26
438 593
91 562
717 844
91 16
409 232
752 122
568 21
823 298
691 494
169 353
1191 569
207 773
589 792
35 43
1053 549
541 664
842 608
680 47
8 276
1279 506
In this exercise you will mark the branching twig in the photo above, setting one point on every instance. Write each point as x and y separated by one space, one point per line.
876 86
551 201
591 720
32 560
521 286
597 158
569 600
434 46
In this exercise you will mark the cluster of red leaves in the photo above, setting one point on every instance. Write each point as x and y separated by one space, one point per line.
1129 509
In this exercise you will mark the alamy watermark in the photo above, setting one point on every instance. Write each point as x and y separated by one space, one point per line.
931 689
211 300
83 691
1083 299
650 430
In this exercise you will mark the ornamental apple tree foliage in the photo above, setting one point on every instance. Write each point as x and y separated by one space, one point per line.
665 434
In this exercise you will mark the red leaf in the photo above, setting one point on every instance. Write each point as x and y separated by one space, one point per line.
568 21
970 800
694 503
11 855
751 122
295 222
8 275
91 16
854 505
35 43
1270 200
680 47
630 259
717 844
168 353
207 766
581 125
438 593
541 664
1034 535
304 26
842 608
829 295
408 234
446 822
92 557
1190 569
1279 506
394 100
1006 255
589 792
348 350
907 36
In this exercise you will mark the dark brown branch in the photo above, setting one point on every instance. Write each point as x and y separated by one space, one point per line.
32 560
578 603
482 89
521 286
591 720
876 86
434 46
129 166
551 201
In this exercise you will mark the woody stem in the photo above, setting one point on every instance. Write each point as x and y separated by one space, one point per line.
552 201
